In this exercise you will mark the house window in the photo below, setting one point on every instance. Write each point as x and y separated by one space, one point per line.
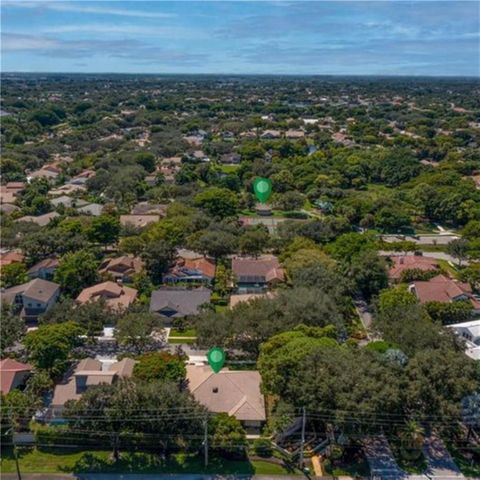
39 304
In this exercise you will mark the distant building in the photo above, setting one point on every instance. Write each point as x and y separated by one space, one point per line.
138 221
40 220
231 158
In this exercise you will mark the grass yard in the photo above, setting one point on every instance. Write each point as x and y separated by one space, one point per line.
186 341
447 268
188 332
64 460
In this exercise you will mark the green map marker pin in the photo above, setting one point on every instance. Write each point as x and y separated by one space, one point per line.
216 358
262 188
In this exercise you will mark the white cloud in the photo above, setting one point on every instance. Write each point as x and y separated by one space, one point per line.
85 7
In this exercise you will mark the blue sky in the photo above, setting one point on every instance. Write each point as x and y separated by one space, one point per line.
289 37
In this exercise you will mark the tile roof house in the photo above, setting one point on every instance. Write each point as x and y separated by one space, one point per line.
10 191
44 269
94 209
146 208
294 134
40 220
236 392
470 332
138 221
443 289
254 275
191 270
122 268
178 302
88 372
402 263
270 134
248 297
116 296
32 298
10 257
13 374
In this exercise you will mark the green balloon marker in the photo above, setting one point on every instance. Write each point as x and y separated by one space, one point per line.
262 188
216 358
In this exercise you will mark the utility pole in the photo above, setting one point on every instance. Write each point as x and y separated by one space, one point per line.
205 440
15 448
15 453
302 443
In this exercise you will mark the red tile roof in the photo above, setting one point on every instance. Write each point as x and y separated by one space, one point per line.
401 263
8 369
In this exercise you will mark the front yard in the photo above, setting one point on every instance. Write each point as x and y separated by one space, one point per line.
65 460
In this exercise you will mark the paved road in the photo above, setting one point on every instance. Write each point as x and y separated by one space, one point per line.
437 255
433 239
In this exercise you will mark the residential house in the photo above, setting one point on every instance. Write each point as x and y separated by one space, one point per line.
9 192
200 156
32 298
88 372
403 263
40 220
294 134
248 297
270 135
13 374
146 208
50 172
117 297
470 332
254 275
444 289
138 221
12 256
231 158
44 269
236 392
93 209
67 189
82 177
191 270
178 302
122 268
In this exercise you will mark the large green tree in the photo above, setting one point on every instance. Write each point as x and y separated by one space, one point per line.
77 270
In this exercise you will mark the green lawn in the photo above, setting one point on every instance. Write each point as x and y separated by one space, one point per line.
186 341
447 268
64 460
188 332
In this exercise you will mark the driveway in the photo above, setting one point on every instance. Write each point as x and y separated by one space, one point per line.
440 462
380 459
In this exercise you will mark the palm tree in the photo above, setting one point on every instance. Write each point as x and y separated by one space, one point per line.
412 437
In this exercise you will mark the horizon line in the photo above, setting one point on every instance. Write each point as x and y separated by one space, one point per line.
388 75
